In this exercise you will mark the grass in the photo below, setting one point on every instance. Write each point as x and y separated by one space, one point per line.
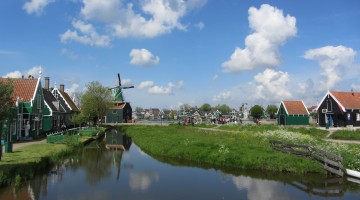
244 147
346 135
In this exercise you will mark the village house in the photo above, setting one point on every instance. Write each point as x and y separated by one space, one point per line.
292 113
65 103
339 109
28 107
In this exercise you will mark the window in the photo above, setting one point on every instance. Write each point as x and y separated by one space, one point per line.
357 116
348 117
114 111
39 101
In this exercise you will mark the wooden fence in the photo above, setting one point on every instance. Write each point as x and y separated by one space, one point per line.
332 163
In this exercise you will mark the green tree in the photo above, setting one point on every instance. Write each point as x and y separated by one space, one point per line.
78 119
96 101
224 109
256 111
205 108
6 101
272 110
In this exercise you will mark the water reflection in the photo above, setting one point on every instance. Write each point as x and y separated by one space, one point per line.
116 169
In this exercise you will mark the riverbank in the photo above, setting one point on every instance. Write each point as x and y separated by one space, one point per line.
30 158
243 147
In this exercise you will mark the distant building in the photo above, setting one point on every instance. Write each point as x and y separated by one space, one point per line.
292 113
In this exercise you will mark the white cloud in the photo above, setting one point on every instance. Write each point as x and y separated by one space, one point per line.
36 6
143 57
148 18
270 30
142 180
165 90
15 74
222 96
71 91
146 84
34 71
272 85
333 61
87 35
126 82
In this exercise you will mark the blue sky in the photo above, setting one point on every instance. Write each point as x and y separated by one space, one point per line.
187 52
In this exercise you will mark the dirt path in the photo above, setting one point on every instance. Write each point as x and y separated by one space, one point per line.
24 144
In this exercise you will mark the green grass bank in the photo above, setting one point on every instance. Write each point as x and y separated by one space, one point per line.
239 146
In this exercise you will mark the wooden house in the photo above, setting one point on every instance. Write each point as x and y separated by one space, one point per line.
29 106
66 103
121 112
339 109
292 113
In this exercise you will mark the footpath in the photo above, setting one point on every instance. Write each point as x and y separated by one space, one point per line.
18 145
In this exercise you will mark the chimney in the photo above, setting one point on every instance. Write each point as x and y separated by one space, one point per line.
62 87
47 83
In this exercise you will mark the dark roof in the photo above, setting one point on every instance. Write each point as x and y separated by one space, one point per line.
350 100
295 108
69 101
24 88
50 99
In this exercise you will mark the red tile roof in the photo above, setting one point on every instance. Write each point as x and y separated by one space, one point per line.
295 108
23 88
350 100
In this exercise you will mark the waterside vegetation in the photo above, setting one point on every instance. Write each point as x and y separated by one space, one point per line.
240 146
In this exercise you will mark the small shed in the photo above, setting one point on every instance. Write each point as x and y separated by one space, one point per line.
292 113
121 112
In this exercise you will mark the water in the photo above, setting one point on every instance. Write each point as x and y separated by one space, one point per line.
96 172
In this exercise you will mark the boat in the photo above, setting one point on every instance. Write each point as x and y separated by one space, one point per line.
353 173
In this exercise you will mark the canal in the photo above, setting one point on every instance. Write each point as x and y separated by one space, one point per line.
116 168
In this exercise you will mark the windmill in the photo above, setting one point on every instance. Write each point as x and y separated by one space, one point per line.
117 91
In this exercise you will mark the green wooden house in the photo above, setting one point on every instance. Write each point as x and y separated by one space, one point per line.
292 113
27 120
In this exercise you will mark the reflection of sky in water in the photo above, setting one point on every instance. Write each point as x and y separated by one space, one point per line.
261 189
142 180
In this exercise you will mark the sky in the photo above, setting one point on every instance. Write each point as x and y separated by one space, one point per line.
178 52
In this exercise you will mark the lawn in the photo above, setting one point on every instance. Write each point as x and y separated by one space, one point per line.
244 148
346 135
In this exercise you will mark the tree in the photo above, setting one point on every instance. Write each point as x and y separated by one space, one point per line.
78 119
6 101
139 109
96 101
205 108
271 110
256 111
224 109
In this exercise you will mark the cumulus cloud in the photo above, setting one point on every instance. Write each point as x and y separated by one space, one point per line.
143 19
272 85
146 84
143 57
86 34
222 96
270 30
156 89
34 71
36 6
142 180
333 62
73 88
14 74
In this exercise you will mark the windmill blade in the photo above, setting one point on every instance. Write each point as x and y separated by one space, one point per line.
127 87
119 79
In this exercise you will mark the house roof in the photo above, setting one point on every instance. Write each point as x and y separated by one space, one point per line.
24 88
295 107
69 101
119 106
350 100
50 99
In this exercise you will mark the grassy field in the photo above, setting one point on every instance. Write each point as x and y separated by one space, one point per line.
346 135
243 147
